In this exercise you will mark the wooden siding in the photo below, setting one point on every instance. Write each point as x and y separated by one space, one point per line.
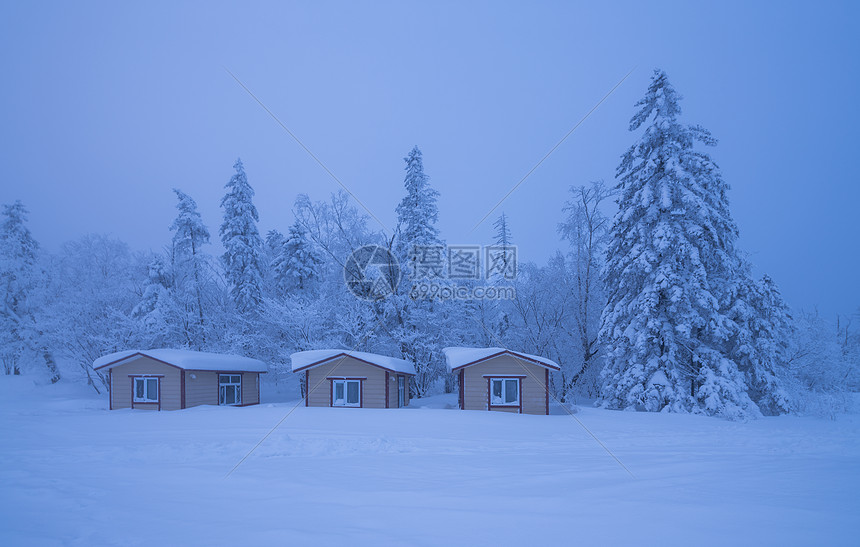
373 387
249 388
170 388
533 388
201 388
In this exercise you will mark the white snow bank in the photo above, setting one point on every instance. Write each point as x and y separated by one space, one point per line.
458 357
305 359
186 359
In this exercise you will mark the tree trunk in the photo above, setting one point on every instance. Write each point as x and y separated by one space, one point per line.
51 364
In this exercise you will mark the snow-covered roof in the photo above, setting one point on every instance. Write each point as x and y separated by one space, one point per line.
308 359
185 359
457 358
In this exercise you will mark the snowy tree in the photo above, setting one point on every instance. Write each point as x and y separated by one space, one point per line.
93 285
485 321
585 228
417 212
297 264
819 372
503 231
274 246
761 341
157 310
415 321
243 258
670 254
20 329
190 268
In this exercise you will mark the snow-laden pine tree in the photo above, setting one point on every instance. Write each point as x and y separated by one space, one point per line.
17 262
243 256
761 342
417 212
22 331
190 268
670 258
416 321
298 263
155 310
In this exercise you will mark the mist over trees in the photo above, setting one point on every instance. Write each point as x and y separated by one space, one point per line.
647 305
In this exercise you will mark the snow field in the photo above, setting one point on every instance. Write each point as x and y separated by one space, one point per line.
75 473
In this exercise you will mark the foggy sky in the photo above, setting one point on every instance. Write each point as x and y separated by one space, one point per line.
107 107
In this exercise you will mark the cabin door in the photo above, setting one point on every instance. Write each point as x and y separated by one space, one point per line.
229 389
401 392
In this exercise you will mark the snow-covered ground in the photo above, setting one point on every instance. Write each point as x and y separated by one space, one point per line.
74 473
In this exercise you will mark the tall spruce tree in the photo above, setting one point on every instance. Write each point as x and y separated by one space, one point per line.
189 267
670 258
417 212
414 320
243 258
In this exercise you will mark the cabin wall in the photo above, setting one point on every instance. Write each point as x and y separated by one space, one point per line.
250 388
201 388
533 391
170 392
372 387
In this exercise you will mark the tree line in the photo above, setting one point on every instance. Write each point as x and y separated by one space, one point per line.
651 308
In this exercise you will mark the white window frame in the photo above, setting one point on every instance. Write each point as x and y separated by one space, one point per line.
222 389
516 402
345 382
146 394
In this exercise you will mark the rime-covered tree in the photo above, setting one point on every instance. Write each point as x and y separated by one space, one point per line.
272 249
585 228
301 260
503 231
156 310
96 280
190 266
670 256
243 256
417 212
761 341
820 373
415 320
20 331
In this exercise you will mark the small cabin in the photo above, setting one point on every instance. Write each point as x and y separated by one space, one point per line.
501 380
353 379
172 379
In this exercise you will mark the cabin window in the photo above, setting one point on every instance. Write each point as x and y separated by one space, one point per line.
346 392
505 391
229 389
145 390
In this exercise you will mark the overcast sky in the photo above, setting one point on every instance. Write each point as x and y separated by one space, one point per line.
107 106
